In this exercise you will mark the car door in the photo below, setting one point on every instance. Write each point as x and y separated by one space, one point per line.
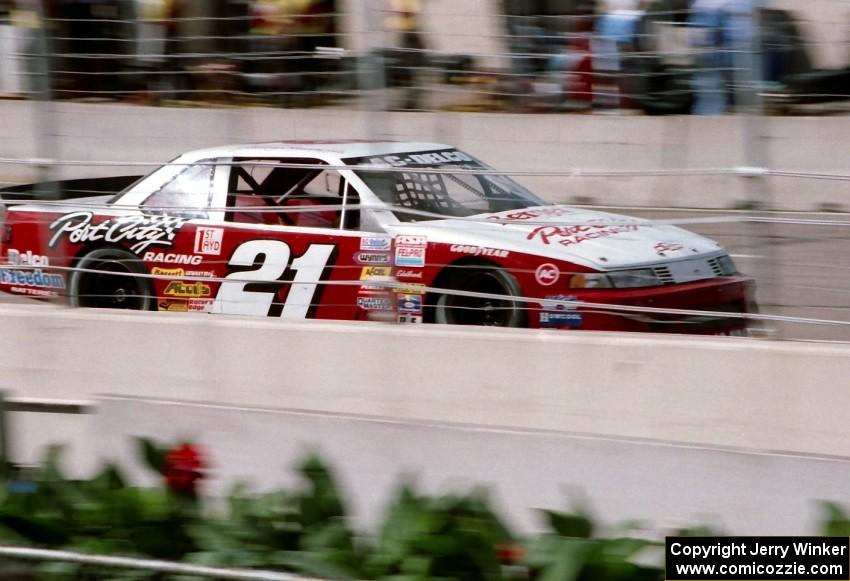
282 245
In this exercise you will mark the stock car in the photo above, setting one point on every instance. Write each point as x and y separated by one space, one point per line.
412 232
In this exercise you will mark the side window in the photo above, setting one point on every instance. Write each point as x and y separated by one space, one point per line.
262 193
187 194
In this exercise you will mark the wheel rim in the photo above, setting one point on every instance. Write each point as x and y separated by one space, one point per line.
111 287
488 312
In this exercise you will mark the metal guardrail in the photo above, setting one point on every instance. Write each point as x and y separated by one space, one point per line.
33 405
146 565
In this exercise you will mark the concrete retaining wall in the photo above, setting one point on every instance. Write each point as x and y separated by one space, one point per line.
727 392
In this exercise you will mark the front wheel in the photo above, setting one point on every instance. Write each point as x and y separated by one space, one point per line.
103 279
490 311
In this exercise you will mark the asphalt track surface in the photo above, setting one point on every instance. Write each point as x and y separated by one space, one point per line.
802 268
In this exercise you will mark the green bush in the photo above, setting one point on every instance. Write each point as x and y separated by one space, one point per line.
305 530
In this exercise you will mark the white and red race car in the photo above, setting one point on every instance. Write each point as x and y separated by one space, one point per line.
364 230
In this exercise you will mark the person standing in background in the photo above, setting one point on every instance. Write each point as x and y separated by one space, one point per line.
411 57
714 59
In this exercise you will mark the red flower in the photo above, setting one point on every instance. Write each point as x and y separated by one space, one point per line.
183 468
509 553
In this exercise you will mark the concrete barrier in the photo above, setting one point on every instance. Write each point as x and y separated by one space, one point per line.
113 132
727 392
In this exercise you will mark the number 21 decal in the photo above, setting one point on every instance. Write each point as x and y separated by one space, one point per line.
232 298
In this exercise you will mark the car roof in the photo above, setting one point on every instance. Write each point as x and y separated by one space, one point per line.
341 149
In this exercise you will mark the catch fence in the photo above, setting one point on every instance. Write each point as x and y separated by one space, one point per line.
338 68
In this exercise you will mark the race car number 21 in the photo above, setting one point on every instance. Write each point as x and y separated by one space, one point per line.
233 298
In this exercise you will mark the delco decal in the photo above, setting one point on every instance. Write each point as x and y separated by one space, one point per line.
170 258
30 279
567 235
547 274
478 250
181 289
373 258
408 319
145 231
208 240
410 250
376 243
27 258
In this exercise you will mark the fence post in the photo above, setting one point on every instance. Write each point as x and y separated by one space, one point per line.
5 464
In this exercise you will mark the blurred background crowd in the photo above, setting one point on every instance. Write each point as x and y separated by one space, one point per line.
650 56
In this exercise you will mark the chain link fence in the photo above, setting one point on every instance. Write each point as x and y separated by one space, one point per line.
103 87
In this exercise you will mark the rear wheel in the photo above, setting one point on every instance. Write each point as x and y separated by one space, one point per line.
103 279
490 311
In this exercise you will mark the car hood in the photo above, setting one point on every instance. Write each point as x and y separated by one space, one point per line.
598 240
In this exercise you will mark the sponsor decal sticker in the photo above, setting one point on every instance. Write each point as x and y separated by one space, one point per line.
187 290
410 250
27 258
479 250
170 258
375 272
144 231
404 273
663 247
405 318
173 306
547 274
533 214
168 272
200 305
568 235
208 240
410 304
425 158
560 319
28 281
373 258
376 243
375 303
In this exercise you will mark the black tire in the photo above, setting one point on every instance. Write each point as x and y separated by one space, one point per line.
490 312
103 279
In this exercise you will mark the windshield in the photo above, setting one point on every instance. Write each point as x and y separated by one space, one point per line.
453 191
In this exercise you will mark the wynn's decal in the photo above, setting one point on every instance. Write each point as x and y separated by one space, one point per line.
144 231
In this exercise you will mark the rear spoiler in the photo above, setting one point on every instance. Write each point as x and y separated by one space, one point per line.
68 189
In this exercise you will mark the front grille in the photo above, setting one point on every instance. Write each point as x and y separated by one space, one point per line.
663 274
715 266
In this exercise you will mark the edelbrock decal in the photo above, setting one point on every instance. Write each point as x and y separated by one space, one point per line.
145 231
